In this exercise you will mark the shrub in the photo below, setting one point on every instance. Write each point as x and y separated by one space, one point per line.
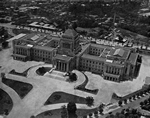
89 101
73 77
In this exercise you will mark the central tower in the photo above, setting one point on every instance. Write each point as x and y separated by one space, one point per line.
69 43
69 47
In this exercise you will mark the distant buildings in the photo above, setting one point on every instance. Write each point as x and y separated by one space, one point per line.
66 53
90 0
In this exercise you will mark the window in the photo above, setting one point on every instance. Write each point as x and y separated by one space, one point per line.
66 45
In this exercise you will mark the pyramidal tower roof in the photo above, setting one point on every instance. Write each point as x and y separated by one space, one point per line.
70 33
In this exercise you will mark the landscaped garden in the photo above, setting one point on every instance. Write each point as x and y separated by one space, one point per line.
42 70
6 103
21 88
24 74
61 97
57 113
82 87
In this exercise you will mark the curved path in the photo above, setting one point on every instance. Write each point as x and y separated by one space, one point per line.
43 87
14 96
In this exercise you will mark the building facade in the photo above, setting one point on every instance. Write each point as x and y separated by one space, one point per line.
66 53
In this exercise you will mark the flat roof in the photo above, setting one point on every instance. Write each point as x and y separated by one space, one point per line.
17 37
45 48
133 57
92 57
100 46
63 57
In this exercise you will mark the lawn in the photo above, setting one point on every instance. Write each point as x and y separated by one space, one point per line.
24 74
57 113
6 103
45 69
21 88
83 85
61 97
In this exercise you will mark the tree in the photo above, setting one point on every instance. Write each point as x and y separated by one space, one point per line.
89 101
5 44
145 102
71 108
101 107
42 70
120 103
130 99
32 117
72 77
64 112
125 101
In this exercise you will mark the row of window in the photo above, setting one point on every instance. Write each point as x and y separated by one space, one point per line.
111 78
19 58
95 51
42 53
91 69
41 58
21 51
112 70
87 62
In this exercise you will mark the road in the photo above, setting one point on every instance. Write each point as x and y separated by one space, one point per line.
134 104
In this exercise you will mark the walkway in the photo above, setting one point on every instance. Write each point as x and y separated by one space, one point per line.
43 87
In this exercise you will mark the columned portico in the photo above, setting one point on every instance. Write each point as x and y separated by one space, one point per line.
62 62
61 65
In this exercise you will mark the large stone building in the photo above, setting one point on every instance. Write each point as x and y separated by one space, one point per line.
66 53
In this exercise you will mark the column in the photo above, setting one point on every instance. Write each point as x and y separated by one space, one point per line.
120 71
60 65
56 64
62 68
107 69
67 66
128 69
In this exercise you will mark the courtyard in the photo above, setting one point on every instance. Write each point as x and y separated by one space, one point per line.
33 103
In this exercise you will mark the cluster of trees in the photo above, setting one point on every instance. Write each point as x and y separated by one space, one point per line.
41 70
89 101
3 37
140 93
70 111
3 34
72 77
126 113
145 104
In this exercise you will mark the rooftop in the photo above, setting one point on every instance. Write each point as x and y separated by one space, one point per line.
63 57
70 33
118 52
43 48
92 57
133 57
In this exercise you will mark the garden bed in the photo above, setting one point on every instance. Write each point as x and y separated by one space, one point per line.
24 74
57 113
61 97
47 69
82 87
6 103
21 88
